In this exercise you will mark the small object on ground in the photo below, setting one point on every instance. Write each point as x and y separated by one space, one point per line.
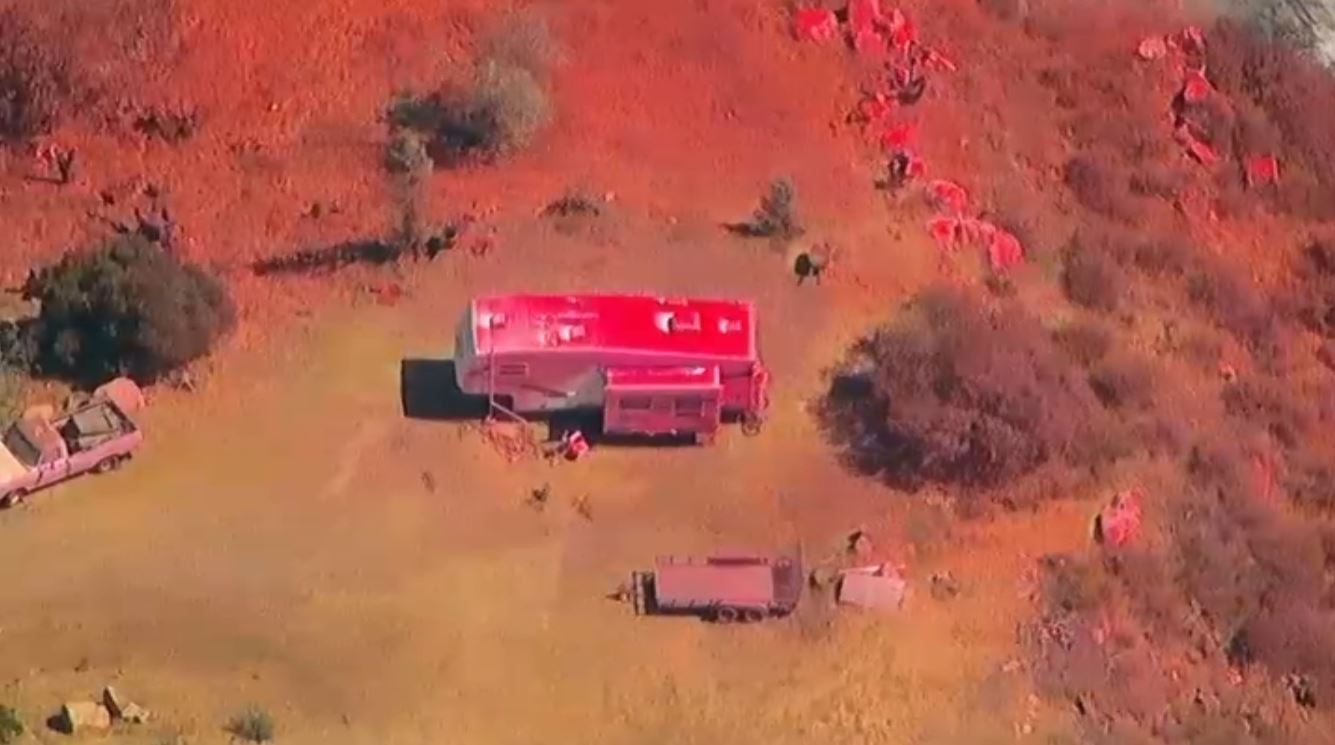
65 165
877 587
1152 48
541 496
859 543
584 507
1118 523
812 264
944 586
574 446
113 701
429 482
135 714
897 137
1004 250
1302 689
76 717
948 196
815 24
1195 88
903 167
1261 170
122 709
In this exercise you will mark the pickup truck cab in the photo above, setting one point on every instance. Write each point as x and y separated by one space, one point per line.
38 450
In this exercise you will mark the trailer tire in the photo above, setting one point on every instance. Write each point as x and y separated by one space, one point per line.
725 615
13 499
751 424
753 615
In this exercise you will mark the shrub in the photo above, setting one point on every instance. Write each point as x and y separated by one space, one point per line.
12 386
406 156
253 725
522 39
1315 295
502 110
1297 96
1270 403
1070 585
1092 279
953 392
1086 342
573 203
1100 188
777 215
1167 257
11 727
1236 306
1123 381
126 308
35 80
1007 10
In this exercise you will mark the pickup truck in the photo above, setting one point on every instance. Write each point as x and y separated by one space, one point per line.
40 450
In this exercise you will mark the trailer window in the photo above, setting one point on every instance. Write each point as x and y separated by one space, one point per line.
689 406
636 403
512 370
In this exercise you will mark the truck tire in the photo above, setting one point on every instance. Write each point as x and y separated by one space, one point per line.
107 465
753 615
13 499
725 615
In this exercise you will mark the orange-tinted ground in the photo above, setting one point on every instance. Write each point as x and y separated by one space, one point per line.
278 544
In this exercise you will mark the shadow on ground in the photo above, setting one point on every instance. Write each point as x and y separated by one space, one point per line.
428 390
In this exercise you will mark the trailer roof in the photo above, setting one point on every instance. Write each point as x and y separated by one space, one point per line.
700 583
635 323
663 377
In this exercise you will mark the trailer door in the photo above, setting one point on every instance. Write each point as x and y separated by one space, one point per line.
662 401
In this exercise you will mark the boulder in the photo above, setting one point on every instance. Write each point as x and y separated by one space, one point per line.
114 703
83 716
134 713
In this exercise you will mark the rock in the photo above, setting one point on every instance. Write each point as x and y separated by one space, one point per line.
114 703
83 716
134 713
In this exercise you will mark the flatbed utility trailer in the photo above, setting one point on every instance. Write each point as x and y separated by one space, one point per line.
723 589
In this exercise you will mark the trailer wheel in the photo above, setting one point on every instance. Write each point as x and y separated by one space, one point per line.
753 615
751 424
725 615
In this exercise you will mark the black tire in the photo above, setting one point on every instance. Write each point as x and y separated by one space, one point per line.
751 424
753 615
13 499
107 465
725 615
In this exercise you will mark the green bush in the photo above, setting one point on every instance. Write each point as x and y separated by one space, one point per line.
777 215
11 727
406 156
954 391
253 725
125 308
35 80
